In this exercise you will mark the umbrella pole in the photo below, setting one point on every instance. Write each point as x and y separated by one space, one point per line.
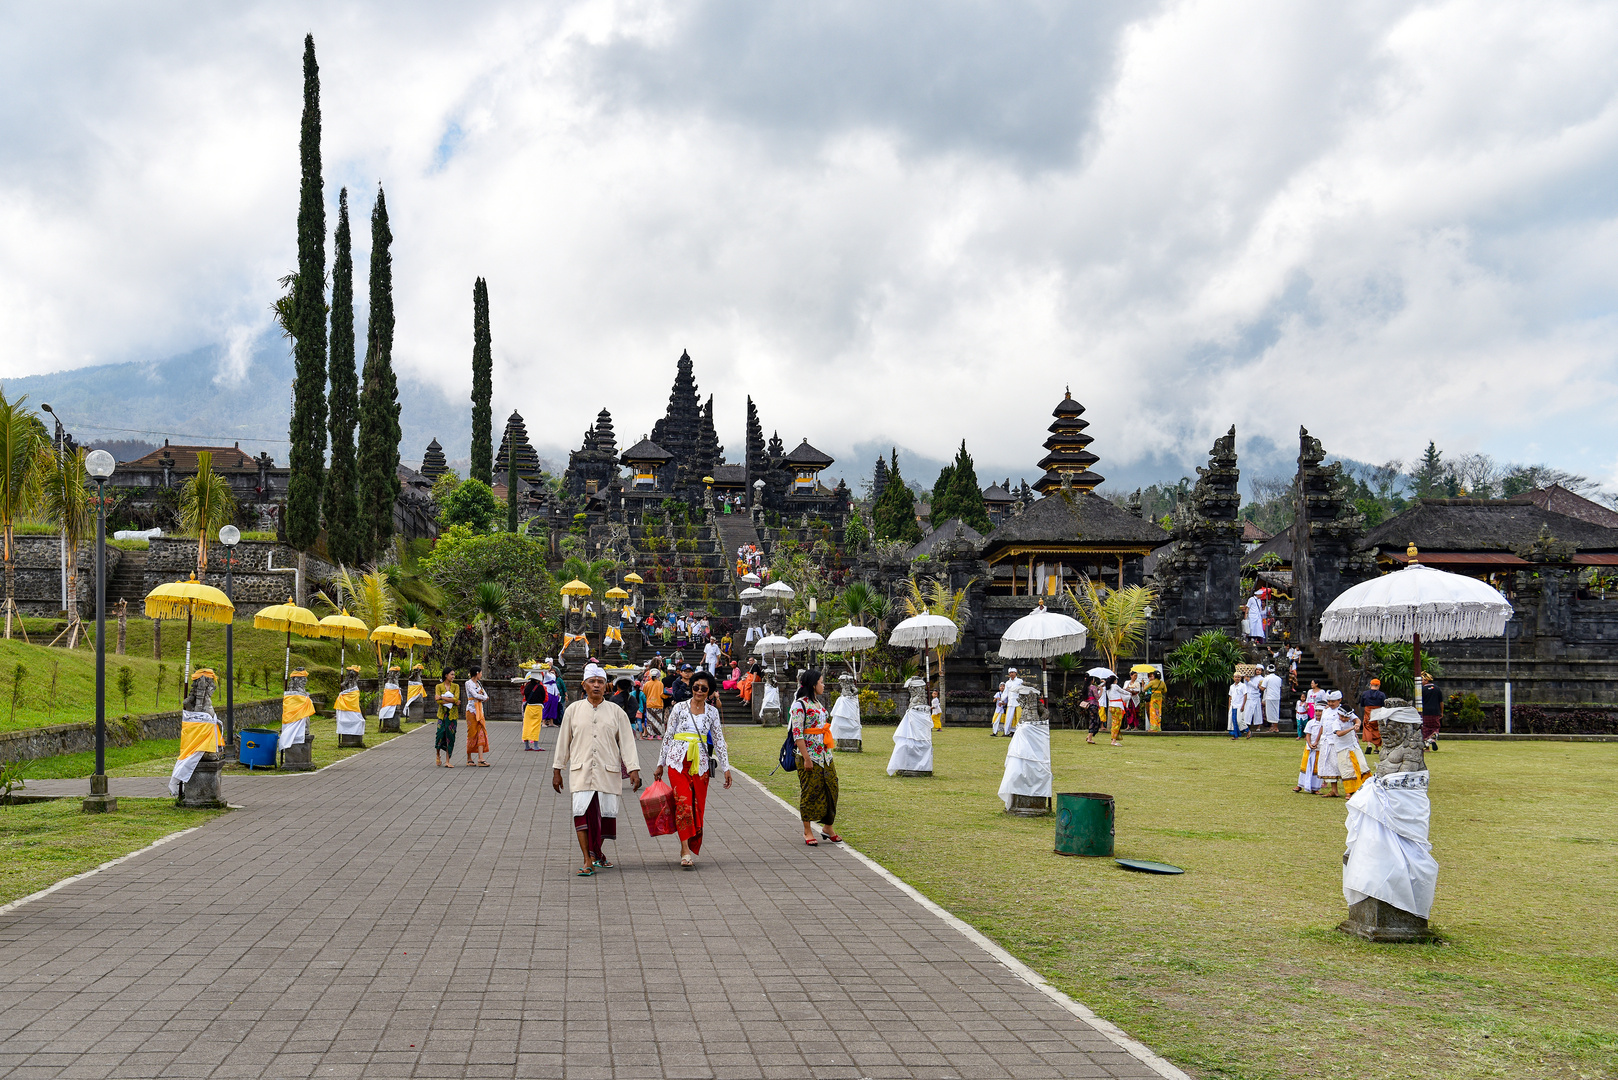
286 665
188 645
1415 670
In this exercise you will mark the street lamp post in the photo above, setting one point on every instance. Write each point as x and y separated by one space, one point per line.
99 465
61 433
230 536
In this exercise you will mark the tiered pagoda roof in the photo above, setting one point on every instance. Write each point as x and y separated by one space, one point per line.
433 463
646 451
805 456
1068 458
528 463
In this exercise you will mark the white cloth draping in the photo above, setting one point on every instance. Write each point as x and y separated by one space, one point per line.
913 742
350 723
772 698
1388 853
608 805
845 717
1028 762
292 734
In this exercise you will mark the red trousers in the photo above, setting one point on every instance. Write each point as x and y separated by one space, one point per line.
690 801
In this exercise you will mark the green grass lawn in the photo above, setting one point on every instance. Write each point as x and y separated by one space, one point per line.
42 843
1234 969
58 685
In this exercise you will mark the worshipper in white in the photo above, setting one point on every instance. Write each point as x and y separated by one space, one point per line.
1253 704
999 717
1272 699
1253 623
1326 757
710 657
1012 697
1238 705
1308 768
913 738
595 744
1028 758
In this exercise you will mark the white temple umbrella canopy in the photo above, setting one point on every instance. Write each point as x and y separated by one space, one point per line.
807 641
1102 673
772 646
1040 635
751 578
925 631
849 639
750 594
1414 603
779 590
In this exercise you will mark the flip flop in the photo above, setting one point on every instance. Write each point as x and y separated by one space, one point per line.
588 871
483 764
604 862
687 864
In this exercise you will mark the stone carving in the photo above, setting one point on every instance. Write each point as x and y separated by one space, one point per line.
1326 532
200 697
845 715
918 694
299 757
1402 749
203 788
1197 580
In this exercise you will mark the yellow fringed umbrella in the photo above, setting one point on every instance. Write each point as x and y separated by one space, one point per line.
416 637
195 601
344 628
615 593
577 588
393 636
634 578
293 620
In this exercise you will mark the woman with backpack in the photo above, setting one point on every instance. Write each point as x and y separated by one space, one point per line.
817 772
693 747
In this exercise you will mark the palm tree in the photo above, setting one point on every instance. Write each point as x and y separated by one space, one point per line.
861 602
366 596
939 599
22 438
489 600
206 504
65 497
1116 618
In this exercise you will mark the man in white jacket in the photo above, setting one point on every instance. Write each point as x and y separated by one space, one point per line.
595 744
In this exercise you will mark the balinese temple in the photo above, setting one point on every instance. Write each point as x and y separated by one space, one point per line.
1072 532
433 464
805 464
1484 537
594 465
528 464
999 501
1069 459
644 461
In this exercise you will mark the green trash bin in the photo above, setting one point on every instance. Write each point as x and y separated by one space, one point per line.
1084 824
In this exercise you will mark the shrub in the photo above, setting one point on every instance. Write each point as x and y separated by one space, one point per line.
473 504
873 706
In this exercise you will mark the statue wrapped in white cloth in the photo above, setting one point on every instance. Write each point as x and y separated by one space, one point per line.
1028 761
845 715
913 738
1389 873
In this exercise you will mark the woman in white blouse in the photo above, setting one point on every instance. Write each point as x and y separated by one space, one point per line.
693 747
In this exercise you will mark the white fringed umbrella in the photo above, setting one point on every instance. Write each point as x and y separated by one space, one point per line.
807 641
1413 603
849 639
1040 635
925 632
779 590
772 646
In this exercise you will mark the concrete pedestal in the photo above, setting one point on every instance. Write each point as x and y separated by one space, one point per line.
1377 920
299 757
851 746
1030 805
345 741
99 802
389 724
202 791
911 772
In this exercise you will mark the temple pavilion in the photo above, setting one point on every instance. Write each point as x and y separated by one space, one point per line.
1072 532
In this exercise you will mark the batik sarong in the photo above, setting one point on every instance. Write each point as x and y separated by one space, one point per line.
477 733
690 805
596 825
444 738
817 793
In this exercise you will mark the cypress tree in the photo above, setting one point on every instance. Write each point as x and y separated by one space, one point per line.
943 507
307 459
482 387
379 400
340 494
966 496
895 513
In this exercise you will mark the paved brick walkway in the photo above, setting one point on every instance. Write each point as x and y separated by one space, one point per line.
387 918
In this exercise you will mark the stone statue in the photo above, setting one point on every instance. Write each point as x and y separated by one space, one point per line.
200 699
297 756
845 716
389 706
1389 873
769 713
1402 750
350 718
200 789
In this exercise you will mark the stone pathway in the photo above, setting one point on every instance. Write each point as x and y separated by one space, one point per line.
387 918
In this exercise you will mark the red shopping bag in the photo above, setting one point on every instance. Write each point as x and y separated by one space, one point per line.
657 803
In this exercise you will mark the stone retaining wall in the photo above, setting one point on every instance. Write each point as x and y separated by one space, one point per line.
258 579
38 568
41 742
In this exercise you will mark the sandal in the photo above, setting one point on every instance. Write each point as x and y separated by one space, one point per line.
607 863
587 871
811 842
483 764
687 864
831 838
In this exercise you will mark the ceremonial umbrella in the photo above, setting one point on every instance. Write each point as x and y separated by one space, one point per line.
807 642
772 645
750 593
925 632
849 639
344 628
292 619
615 593
1101 673
779 590
577 588
1040 635
416 636
393 637
194 600
751 578
1413 603
634 578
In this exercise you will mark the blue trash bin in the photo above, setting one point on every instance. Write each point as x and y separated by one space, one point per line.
258 748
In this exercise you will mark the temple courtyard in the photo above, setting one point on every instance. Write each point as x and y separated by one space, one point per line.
386 918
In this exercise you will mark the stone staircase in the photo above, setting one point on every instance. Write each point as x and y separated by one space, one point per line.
128 581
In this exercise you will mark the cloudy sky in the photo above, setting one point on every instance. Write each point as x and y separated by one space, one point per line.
900 222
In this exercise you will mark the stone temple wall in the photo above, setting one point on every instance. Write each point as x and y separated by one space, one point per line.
259 578
38 574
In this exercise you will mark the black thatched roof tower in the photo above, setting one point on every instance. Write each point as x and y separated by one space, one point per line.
433 463
1069 458
528 464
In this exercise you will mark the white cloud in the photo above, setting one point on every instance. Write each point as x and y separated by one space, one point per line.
1390 222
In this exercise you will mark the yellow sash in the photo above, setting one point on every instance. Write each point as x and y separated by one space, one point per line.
416 690
568 639
390 695
198 738
295 707
348 701
692 743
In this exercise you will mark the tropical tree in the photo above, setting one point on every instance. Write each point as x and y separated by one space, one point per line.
1205 664
206 504
22 442
489 598
366 596
860 602
461 559
482 467
65 498
472 502
937 598
1115 618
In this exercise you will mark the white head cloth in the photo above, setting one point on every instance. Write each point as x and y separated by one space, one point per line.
594 671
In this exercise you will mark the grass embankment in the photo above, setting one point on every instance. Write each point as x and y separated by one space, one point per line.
42 843
58 686
1234 969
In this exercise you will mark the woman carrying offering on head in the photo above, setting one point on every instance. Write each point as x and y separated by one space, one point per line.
693 747
817 772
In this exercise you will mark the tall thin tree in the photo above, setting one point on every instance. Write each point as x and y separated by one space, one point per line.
65 497
22 443
482 387
379 401
308 328
342 511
